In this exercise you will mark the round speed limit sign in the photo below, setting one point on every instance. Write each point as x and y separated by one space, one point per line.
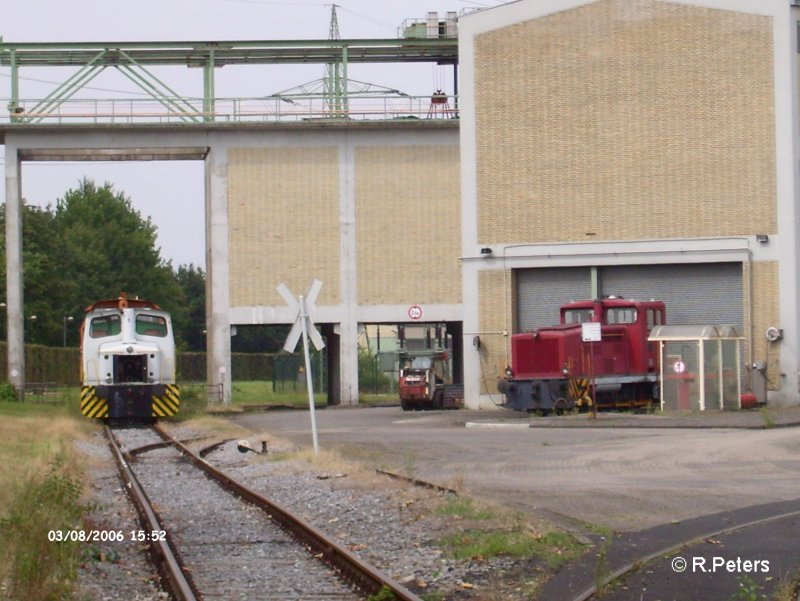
415 312
679 367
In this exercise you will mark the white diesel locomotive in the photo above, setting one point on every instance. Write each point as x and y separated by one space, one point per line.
128 361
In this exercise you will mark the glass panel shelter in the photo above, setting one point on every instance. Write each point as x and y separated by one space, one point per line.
700 367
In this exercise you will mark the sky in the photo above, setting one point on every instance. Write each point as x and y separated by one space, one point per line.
171 193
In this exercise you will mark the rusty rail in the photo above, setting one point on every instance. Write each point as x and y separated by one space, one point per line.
417 482
164 552
361 575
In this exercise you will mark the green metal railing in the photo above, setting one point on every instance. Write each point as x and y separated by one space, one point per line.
139 61
229 110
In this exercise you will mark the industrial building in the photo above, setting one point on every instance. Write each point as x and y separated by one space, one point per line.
639 148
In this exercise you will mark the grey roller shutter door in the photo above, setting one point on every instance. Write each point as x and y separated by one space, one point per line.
540 292
695 293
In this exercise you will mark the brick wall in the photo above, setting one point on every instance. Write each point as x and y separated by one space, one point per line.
494 292
280 200
408 224
625 119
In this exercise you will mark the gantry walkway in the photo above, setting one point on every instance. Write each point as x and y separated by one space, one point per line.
159 103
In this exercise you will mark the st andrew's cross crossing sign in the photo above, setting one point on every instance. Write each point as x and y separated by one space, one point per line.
304 326
303 313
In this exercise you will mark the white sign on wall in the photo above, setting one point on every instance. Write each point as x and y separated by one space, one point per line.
590 331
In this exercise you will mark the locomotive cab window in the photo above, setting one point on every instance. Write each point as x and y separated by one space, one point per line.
107 325
654 318
151 325
578 315
616 315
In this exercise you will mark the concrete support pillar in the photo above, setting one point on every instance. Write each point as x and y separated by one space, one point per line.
787 120
348 354
14 296
218 327
348 328
471 352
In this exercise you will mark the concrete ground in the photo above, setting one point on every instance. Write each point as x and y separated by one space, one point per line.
622 472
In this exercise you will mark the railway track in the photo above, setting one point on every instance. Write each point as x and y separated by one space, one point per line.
209 544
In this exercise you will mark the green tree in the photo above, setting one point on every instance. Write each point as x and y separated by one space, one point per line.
43 282
108 248
192 282
93 245
40 256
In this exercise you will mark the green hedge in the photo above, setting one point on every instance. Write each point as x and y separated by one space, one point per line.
63 365
47 364
244 366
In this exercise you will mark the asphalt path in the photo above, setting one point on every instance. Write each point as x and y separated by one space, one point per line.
706 489
745 563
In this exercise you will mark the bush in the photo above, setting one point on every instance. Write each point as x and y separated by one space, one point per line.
7 393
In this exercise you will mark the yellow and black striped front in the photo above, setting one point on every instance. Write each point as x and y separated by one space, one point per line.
122 402
91 404
580 391
169 403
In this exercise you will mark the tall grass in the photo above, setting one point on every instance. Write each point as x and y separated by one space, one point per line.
40 491
36 568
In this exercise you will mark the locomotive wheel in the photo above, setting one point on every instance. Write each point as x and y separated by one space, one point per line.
560 406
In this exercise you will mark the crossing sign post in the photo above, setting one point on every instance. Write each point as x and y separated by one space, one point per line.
304 327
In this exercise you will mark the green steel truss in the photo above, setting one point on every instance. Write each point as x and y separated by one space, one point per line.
133 59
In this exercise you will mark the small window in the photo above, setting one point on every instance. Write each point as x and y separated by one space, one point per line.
654 318
578 315
621 315
151 325
421 363
108 325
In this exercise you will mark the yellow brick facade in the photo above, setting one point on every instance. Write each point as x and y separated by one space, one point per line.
625 119
765 315
408 224
283 208
494 293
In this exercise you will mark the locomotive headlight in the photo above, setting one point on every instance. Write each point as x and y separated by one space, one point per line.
509 372
565 370
129 349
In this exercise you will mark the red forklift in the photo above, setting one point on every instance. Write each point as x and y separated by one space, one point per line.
425 380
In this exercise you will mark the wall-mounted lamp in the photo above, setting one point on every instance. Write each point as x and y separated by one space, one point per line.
476 342
486 251
762 238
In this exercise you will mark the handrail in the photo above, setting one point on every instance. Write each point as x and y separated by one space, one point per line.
125 111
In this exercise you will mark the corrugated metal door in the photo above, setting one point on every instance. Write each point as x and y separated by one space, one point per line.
695 293
540 292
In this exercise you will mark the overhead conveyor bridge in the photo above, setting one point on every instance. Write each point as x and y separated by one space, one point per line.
162 104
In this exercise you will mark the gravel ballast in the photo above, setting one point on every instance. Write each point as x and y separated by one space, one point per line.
391 525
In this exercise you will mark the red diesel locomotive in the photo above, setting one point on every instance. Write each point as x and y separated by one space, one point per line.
553 369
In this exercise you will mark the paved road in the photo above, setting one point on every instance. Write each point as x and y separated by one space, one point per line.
627 478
